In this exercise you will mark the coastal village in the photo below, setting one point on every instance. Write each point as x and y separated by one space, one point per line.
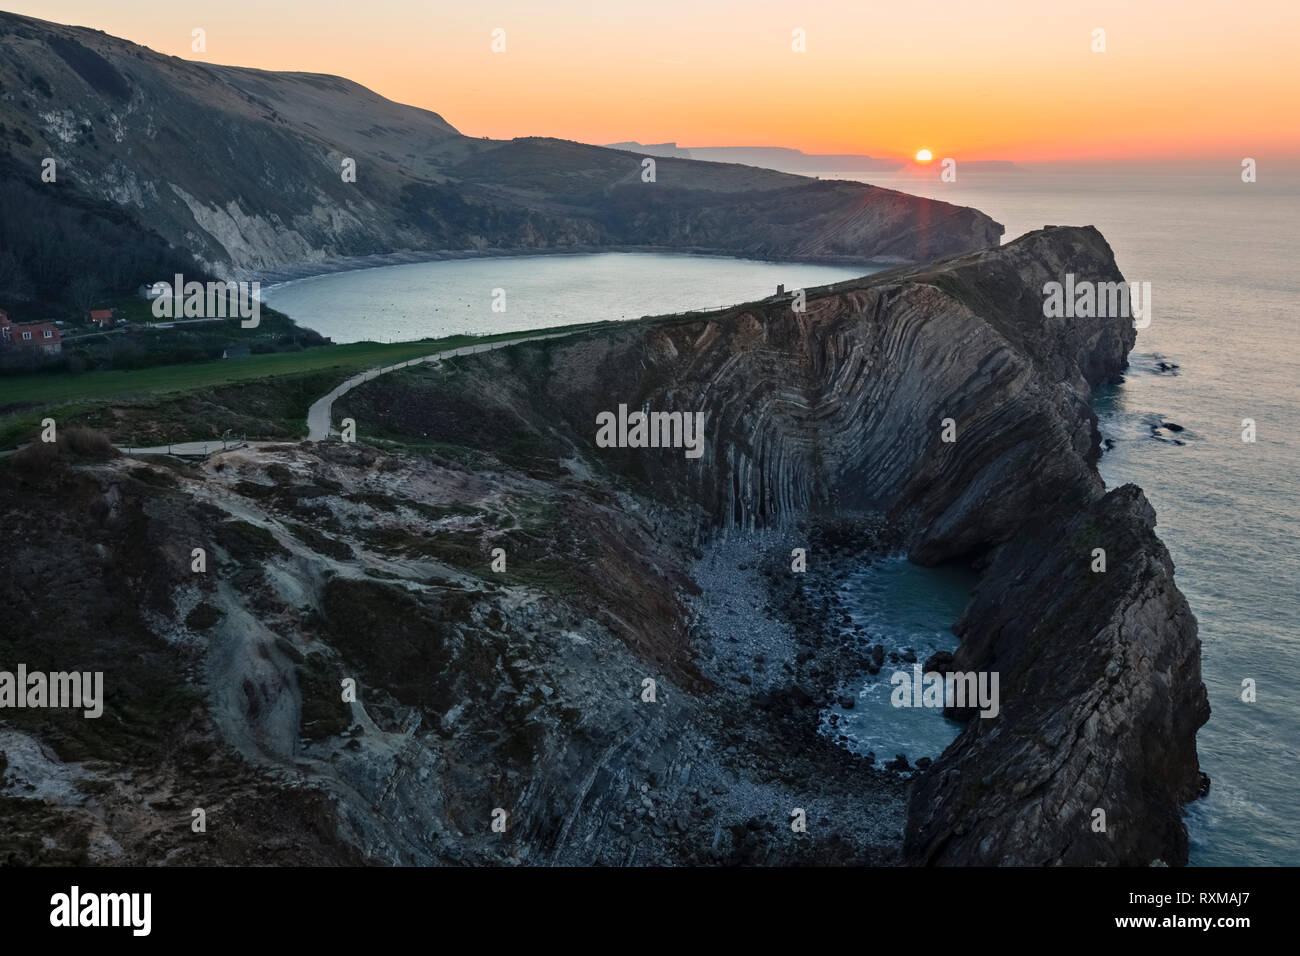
39 342
47 336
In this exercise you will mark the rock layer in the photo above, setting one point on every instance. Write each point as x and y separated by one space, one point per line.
841 409
1101 699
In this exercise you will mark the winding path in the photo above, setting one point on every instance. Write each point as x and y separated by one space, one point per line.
319 425
319 415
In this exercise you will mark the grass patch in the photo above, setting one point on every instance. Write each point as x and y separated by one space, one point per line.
393 639
442 512
203 616
27 822
458 549
71 387
257 396
323 712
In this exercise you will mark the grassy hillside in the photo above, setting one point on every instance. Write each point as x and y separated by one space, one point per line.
129 404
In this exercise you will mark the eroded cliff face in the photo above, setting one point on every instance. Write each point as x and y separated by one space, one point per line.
1101 701
521 689
477 692
843 407
841 410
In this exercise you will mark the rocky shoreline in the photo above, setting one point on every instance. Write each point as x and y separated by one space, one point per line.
773 644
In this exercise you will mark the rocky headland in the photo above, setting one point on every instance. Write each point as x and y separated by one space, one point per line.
523 687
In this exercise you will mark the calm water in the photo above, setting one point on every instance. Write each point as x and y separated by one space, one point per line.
415 301
906 608
1221 259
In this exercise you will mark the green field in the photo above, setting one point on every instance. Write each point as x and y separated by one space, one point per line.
180 402
22 392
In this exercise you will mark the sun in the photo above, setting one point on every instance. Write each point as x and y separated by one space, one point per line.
924 156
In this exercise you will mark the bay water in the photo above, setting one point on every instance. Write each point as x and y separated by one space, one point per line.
520 293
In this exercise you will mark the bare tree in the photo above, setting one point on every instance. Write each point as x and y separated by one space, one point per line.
84 290
13 280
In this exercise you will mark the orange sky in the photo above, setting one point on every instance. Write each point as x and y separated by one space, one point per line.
1014 79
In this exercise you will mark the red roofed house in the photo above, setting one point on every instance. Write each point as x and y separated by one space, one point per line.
42 335
101 317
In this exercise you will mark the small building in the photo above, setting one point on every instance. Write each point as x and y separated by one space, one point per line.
151 290
31 335
101 317
236 351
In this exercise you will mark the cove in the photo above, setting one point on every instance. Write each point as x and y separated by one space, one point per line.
456 296
909 610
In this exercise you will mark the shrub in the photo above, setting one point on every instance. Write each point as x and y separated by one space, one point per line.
86 443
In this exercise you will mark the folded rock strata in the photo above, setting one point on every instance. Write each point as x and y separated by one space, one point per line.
522 690
840 409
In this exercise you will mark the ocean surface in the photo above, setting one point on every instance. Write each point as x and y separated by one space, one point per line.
432 299
1220 255
1221 258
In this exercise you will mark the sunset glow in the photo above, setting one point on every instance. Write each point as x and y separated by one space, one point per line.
1177 80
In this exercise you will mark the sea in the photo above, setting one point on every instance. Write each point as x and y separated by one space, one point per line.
1221 257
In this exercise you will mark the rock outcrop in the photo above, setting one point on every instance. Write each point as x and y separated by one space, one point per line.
1094 750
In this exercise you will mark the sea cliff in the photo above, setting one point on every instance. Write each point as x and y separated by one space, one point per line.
522 687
